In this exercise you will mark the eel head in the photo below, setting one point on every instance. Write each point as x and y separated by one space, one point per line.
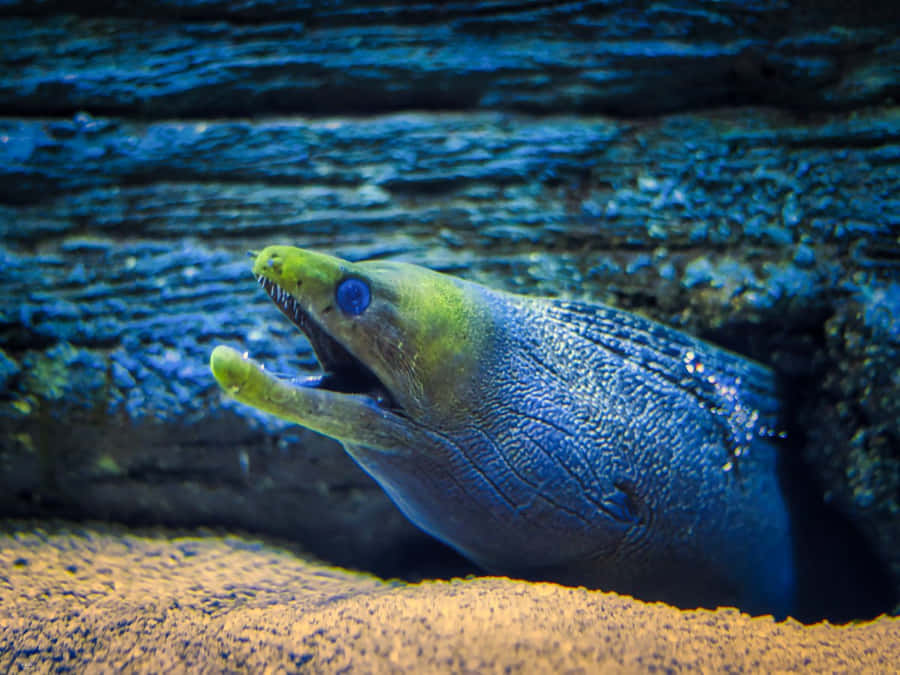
398 345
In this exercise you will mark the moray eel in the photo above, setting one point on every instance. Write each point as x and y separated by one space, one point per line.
541 438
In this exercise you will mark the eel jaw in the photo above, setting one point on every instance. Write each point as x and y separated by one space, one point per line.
342 372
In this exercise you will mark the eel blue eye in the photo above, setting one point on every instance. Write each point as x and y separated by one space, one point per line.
353 296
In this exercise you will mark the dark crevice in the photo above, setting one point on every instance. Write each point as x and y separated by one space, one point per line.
267 13
839 575
421 558
355 102
831 551
884 138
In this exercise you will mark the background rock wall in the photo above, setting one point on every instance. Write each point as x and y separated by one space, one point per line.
730 168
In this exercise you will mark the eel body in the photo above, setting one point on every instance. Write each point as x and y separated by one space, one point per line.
541 438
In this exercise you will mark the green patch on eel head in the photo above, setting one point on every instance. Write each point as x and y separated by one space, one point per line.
399 347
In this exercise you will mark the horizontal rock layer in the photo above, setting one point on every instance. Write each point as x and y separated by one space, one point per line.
204 59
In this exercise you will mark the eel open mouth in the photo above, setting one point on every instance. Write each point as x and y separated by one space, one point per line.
341 371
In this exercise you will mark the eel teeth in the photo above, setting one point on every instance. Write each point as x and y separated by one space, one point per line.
285 301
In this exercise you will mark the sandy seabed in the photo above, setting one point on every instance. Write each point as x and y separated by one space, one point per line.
107 600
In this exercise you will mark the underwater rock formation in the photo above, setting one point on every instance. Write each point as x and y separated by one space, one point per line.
130 190
192 58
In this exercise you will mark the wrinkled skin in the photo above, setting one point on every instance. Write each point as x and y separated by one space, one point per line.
540 438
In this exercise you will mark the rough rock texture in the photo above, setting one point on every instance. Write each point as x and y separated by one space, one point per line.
122 602
203 59
130 191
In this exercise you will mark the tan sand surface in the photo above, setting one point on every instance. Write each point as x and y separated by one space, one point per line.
104 600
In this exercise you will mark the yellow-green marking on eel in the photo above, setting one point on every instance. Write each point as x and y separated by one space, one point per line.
541 438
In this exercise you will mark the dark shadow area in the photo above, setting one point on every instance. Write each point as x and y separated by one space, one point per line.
93 468
839 576
420 558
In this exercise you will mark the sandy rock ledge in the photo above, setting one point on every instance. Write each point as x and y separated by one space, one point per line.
103 600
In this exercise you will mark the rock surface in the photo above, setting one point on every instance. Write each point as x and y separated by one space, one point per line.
109 600
193 58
